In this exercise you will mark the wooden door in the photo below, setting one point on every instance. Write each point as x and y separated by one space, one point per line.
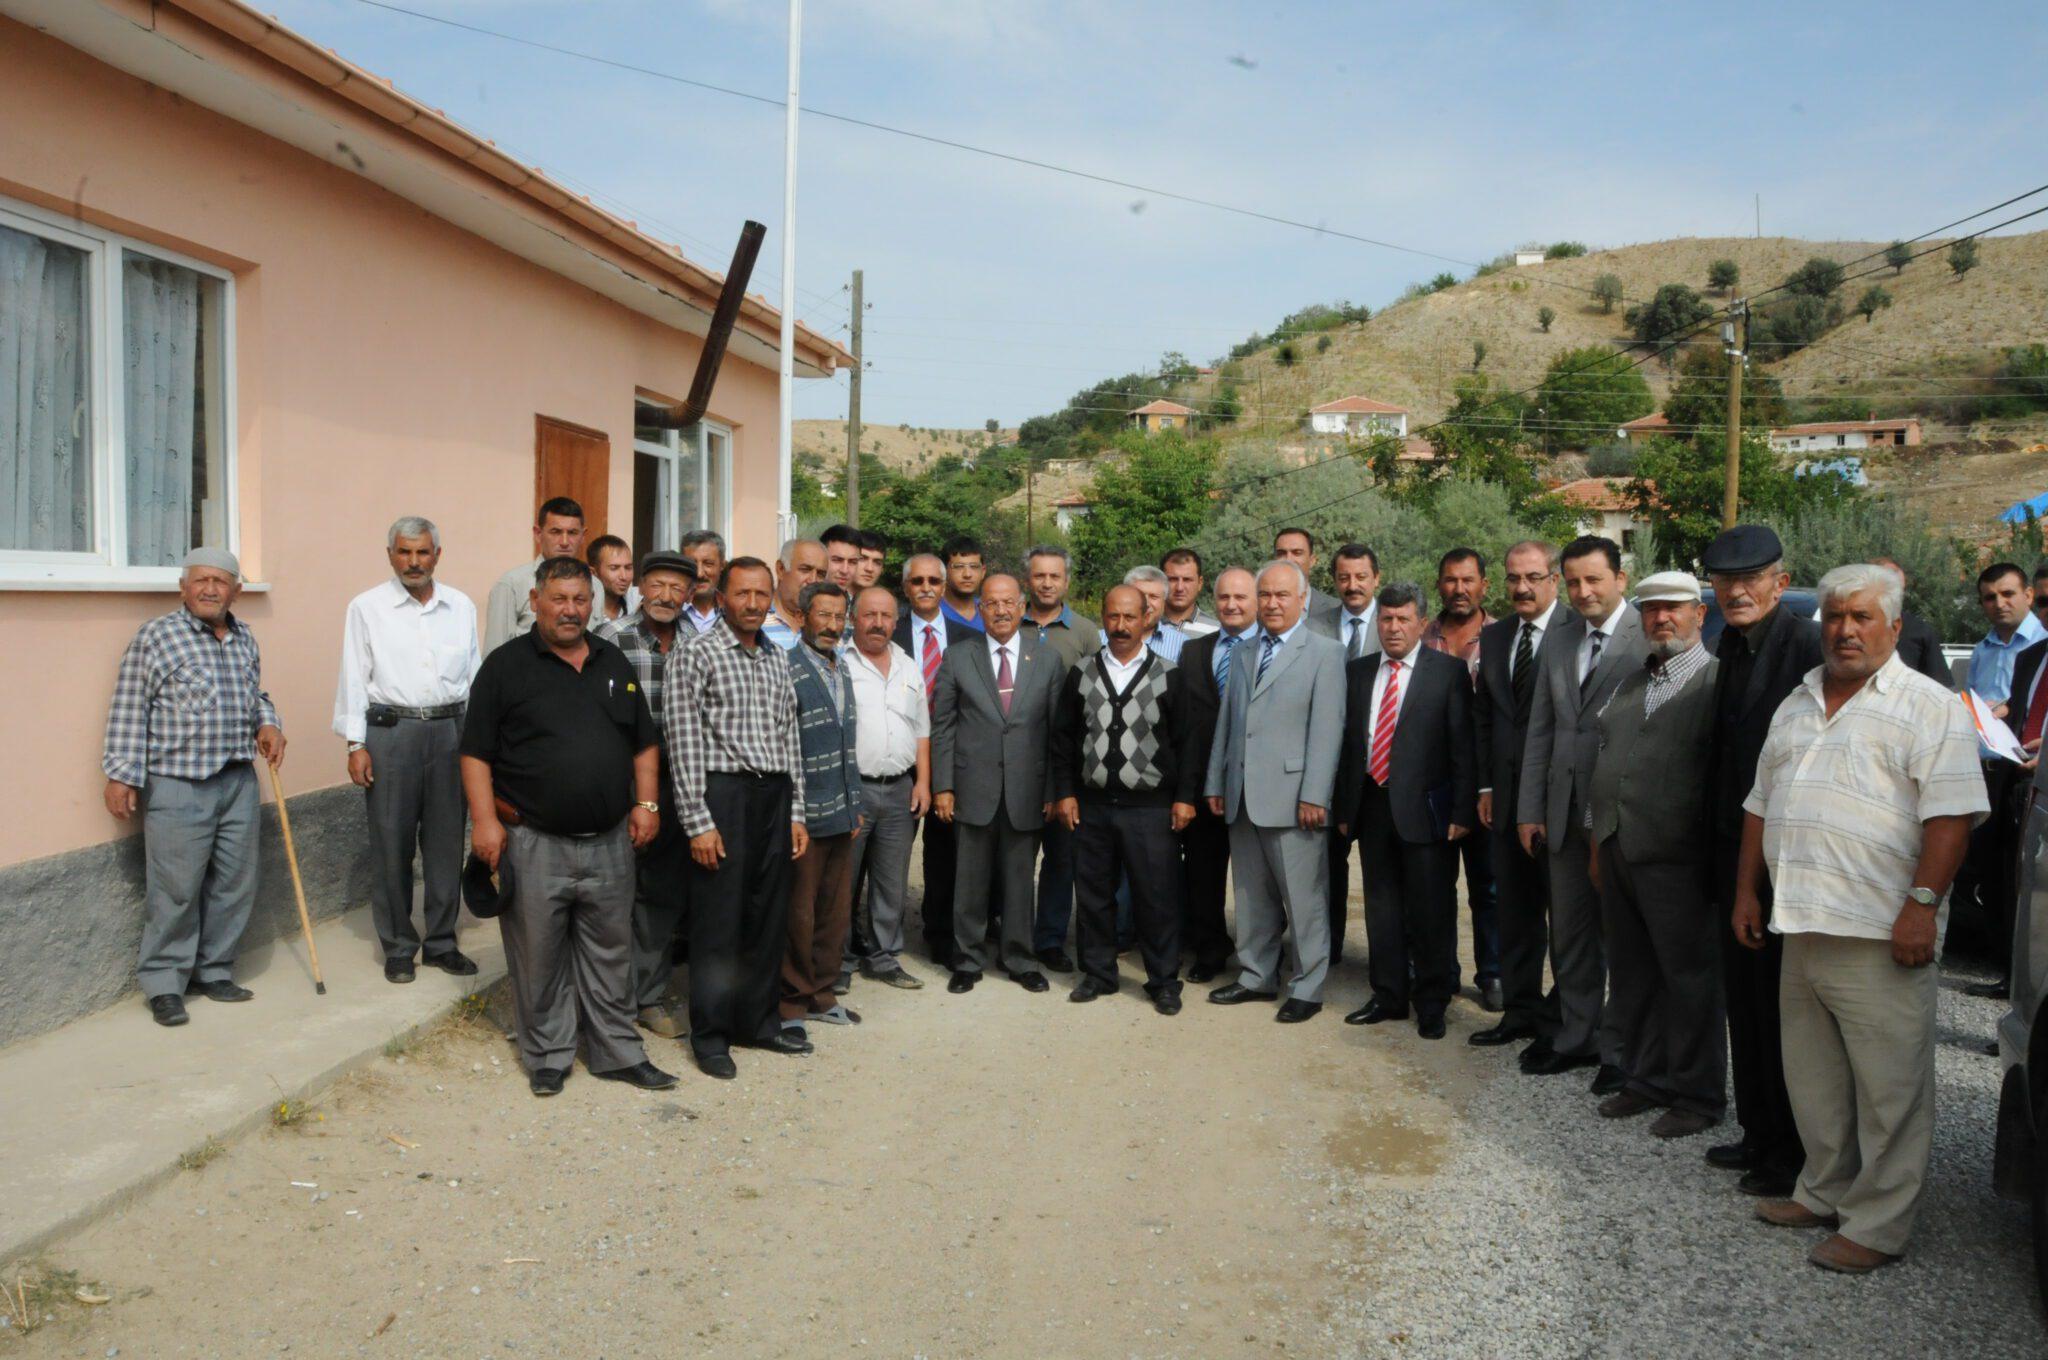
572 461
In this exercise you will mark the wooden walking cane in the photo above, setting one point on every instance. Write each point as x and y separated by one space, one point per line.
291 854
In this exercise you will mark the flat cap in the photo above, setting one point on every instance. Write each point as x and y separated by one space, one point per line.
1746 547
220 559
1669 585
484 895
664 560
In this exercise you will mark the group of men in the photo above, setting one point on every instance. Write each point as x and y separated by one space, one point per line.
1741 851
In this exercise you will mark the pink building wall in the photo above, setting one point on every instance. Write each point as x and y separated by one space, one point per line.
387 363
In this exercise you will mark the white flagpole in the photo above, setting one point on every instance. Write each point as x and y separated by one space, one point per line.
785 518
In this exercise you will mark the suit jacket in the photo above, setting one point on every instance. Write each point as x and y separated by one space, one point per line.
1787 651
2025 667
1499 732
1921 649
953 632
1276 739
1340 626
1321 612
1204 700
988 760
1564 723
1433 776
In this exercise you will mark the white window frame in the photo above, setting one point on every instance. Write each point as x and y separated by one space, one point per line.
105 566
670 451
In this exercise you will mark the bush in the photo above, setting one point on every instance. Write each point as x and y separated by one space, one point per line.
1443 281
1615 459
1898 255
1478 354
1544 316
1819 277
1874 300
1607 291
1285 355
1322 343
1962 257
2025 371
1724 275
1564 250
1823 536
1665 318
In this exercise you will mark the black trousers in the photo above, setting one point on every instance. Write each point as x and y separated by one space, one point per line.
1340 889
1205 852
941 855
1990 866
739 914
1750 978
1411 911
1138 842
661 904
1522 916
1482 899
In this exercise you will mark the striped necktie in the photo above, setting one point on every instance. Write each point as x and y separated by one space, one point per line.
1224 647
1266 657
1524 679
1357 646
1381 765
931 662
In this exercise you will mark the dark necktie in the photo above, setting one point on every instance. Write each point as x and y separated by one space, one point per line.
1356 648
1593 657
1525 671
1224 647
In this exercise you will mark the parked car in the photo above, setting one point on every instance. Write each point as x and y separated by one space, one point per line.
2019 1166
1799 600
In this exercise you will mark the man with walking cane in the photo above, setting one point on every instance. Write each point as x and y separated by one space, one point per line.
188 719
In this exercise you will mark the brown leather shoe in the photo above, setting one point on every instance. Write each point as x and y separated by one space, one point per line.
1626 1105
658 1020
1839 1254
1681 1124
1790 1213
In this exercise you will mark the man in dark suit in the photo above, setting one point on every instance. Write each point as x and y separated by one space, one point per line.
1511 653
1919 645
1408 787
1299 547
1205 846
1765 653
1357 574
925 632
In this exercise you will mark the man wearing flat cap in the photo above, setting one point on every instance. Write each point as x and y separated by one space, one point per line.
666 582
188 719
1764 652
1658 919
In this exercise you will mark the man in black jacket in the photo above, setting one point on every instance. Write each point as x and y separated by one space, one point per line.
1408 786
1765 652
1919 645
1205 846
924 632
1125 781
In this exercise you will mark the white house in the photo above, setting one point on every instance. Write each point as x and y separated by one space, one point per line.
1523 257
1604 506
1846 434
1067 509
1357 416
1155 416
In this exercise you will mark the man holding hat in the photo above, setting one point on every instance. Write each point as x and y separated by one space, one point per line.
1765 653
667 580
188 719
1658 920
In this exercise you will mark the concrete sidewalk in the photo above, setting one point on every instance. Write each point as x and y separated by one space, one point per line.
102 1107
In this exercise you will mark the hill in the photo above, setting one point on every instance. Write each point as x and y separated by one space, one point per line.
904 448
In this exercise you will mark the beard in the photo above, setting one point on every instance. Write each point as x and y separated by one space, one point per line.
1666 648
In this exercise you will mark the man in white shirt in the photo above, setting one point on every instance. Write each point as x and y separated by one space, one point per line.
611 562
408 655
1865 794
1161 638
892 746
707 549
557 532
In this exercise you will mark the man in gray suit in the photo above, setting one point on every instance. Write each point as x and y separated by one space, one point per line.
1574 679
1272 769
992 714
1299 547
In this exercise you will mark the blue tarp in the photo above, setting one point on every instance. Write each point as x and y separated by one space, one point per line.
1849 470
2016 513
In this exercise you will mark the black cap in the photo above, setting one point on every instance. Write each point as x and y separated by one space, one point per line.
664 560
1746 547
483 897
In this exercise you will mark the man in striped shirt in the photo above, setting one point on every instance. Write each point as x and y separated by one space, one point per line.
1865 794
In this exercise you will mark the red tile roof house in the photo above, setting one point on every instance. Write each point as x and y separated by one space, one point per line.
276 304
1358 416
1606 506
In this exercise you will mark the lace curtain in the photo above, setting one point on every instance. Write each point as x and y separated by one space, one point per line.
160 361
45 432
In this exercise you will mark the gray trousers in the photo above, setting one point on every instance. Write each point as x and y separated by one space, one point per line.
1281 875
415 799
1663 939
882 846
199 852
568 943
1578 962
999 858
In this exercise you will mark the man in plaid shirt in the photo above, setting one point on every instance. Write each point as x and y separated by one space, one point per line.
188 720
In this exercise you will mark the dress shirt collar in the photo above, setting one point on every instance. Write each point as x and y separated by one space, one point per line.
1613 622
937 623
1120 672
854 656
1289 635
1064 619
2026 634
1250 630
1016 652
1886 678
401 597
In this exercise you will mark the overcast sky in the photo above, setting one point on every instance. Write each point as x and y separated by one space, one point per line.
998 290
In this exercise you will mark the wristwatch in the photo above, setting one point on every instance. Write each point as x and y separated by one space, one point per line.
651 807
1926 897
354 747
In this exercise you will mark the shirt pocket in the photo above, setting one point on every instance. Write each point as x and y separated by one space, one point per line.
189 689
622 706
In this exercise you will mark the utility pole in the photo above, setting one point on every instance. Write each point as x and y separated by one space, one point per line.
853 417
785 466
1733 335
1030 467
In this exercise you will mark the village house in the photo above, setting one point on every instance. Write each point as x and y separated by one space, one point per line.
1644 427
1068 510
1358 417
1605 506
264 301
1155 416
1846 434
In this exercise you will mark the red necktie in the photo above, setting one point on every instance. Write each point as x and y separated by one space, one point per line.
1005 684
931 662
1382 762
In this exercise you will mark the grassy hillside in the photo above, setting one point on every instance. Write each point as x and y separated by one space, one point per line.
905 450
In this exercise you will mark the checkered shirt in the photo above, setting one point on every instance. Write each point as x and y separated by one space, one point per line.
733 711
1667 679
632 636
186 704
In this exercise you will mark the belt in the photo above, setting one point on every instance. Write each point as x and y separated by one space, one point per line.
420 714
896 778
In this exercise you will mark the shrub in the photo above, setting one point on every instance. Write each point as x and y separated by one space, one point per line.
1615 459
1544 316
1322 343
1819 277
1724 275
1478 354
1898 255
1874 300
1564 250
1665 318
1443 281
1285 355
1962 257
1607 291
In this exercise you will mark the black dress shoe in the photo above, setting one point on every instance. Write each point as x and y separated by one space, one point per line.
1294 1010
398 970
547 1081
1032 982
1430 1026
1733 1156
1376 1012
1236 994
1205 972
1055 960
1492 999
1503 1033
785 1041
223 990
1167 1003
454 961
1608 1080
644 1075
1536 1052
2000 990
168 1010
1553 1063
962 981
1766 1183
718 1065
1088 990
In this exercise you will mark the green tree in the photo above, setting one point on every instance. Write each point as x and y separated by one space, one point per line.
1564 250
1679 483
2025 371
1322 343
1443 281
1151 499
1699 398
1819 277
1614 459
1898 255
1225 407
1962 257
1285 355
1822 535
1544 316
1478 354
1874 300
1607 291
1664 320
1724 275
1586 394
